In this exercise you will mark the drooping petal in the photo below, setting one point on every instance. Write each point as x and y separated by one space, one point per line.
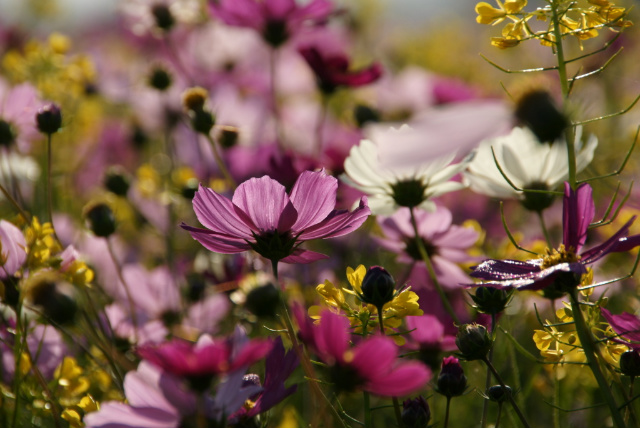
332 337
217 213
314 197
216 242
263 200
578 212
504 269
302 256
613 244
626 325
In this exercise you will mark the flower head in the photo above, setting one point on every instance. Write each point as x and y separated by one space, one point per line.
391 188
451 381
564 267
276 20
332 71
263 217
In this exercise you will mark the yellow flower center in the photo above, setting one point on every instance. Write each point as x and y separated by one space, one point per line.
561 255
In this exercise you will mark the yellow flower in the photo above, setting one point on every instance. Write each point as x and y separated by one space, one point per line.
355 277
504 42
488 14
333 297
74 414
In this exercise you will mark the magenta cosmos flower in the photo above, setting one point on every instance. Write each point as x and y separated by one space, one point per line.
372 365
332 70
625 325
446 244
276 20
561 269
263 217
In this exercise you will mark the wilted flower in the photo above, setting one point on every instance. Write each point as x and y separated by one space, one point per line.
564 267
332 71
263 217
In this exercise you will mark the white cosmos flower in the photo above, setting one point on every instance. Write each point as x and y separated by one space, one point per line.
527 162
409 185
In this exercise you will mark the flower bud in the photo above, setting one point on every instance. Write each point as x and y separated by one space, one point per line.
415 413
263 301
49 119
451 381
378 287
535 201
100 220
228 136
160 79
202 121
116 181
163 16
51 296
365 114
473 341
499 394
490 300
194 98
630 363
537 110
7 134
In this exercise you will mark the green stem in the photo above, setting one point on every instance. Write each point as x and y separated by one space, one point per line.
432 274
273 57
509 396
221 166
49 197
396 403
368 420
446 413
15 203
586 339
556 399
487 383
545 231
628 410
498 416
132 307
564 84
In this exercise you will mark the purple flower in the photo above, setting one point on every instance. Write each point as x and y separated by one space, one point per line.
263 217
13 252
625 325
371 365
446 244
276 20
563 267
332 70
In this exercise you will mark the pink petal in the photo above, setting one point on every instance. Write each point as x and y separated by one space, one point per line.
216 242
406 379
263 200
373 356
239 13
427 329
332 336
12 247
217 213
301 256
118 415
578 212
314 197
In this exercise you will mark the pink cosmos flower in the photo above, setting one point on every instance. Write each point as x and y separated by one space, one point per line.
332 70
276 20
447 244
428 336
625 325
206 358
371 365
263 217
18 106
13 252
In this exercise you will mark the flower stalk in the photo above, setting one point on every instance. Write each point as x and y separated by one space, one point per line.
509 395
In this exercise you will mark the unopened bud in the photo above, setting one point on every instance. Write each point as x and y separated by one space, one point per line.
473 341
451 381
116 181
538 111
100 220
263 301
378 287
194 98
160 79
630 363
163 16
49 119
499 394
228 136
415 413
490 300
202 121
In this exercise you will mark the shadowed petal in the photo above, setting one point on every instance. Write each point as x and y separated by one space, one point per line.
338 223
610 245
301 256
332 336
578 212
374 356
405 379
626 325
216 242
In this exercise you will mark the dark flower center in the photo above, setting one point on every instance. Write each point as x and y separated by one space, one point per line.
7 134
409 193
534 201
273 245
275 32
411 247
345 378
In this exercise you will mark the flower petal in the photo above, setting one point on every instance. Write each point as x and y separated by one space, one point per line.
217 213
314 197
338 223
216 242
403 380
578 212
301 256
262 199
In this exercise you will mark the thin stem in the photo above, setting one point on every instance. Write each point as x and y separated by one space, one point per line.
545 231
628 410
396 403
17 206
586 339
498 415
432 273
273 57
487 383
556 399
132 308
368 420
49 191
509 396
221 166
446 413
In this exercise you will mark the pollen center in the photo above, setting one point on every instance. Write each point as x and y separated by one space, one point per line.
561 255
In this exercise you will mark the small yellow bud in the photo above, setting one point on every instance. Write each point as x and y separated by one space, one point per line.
194 98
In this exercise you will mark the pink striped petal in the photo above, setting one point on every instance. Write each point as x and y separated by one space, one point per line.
263 200
406 379
217 213
314 197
